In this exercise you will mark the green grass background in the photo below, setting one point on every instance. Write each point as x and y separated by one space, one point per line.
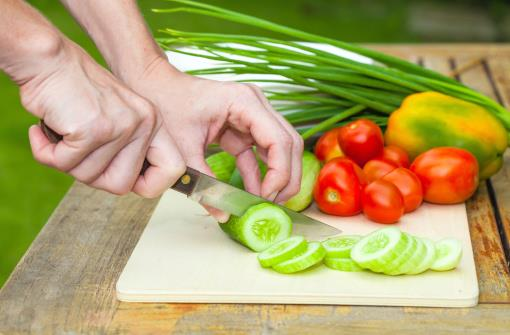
30 192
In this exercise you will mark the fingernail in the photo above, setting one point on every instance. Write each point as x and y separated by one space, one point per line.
223 218
272 196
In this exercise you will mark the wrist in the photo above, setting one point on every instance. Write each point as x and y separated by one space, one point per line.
148 75
39 52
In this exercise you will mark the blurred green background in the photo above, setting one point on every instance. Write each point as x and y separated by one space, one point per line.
30 192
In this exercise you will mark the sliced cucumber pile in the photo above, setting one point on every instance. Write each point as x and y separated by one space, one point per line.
259 227
266 228
393 252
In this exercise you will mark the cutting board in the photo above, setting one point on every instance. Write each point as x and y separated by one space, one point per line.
182 256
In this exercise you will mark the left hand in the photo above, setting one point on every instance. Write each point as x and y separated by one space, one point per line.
198 112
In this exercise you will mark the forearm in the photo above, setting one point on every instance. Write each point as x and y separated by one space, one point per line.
119 31
27 41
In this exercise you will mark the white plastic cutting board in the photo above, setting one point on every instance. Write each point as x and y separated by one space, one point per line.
183 256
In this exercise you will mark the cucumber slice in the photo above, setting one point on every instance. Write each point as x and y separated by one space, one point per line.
222 165
448 255
415 258
259 227
404 256
380 248
428 258
313 254
342 264
282 251
340 247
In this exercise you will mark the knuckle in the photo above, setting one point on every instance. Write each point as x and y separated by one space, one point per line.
119 188
102 130
286 140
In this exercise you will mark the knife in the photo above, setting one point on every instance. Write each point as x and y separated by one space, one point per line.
212 192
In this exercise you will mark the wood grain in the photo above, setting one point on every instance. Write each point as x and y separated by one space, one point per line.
499 69
65 282
66 279
135 318
493 272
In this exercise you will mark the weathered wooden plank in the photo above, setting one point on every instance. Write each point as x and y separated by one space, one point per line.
66 280
499 72
493 276
134 318
444 49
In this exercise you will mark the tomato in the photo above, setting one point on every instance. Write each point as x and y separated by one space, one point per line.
382 202
409 186
377 168
339 187
448 175
394 154
327 147
361 140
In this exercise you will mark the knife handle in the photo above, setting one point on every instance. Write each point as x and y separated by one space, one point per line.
185 184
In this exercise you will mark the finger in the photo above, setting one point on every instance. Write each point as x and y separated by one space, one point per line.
42 149
57 155
249 169
166 166
96 163
270 135
294 184
120 175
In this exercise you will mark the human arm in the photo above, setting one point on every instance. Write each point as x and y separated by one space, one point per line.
107 128
197 112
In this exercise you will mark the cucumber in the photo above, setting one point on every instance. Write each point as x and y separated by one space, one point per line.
236 179
428 258
340 247
380 248
448 255
313 254
342 264
259 227
415 257
402 256
311 167
282 251
222 165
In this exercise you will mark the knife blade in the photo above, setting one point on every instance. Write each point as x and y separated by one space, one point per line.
212 192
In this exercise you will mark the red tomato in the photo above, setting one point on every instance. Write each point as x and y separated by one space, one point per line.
377 168
382 202
327 146
361 140
339 187
448 175
409 186
396 155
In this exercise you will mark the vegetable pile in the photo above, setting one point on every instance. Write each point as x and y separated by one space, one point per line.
392 135
323 89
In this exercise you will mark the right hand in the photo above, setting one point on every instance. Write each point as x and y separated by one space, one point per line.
108 130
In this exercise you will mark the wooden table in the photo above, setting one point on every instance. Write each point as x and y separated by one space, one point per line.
65 283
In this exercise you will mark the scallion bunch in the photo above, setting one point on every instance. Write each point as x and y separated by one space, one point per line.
323 89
